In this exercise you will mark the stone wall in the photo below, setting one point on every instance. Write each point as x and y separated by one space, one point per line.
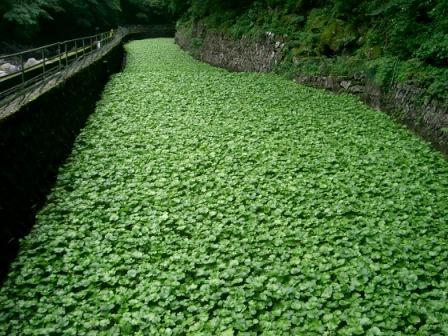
404 102
236 55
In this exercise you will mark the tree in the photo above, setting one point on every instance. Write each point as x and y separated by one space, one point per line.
22 17
59 19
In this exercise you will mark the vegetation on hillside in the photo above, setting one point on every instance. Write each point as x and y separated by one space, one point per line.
387 40
25 21
216 203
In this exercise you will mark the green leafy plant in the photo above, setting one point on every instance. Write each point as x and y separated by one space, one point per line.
202 202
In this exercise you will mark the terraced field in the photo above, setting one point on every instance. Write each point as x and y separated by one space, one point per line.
202 202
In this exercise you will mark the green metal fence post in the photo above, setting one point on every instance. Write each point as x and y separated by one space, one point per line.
60 55
22 66
43 62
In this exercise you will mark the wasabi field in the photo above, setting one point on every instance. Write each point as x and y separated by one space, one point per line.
198 201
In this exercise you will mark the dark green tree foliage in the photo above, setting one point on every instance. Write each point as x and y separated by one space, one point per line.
84 17
370 28
150 11
401 28
21 18
26 20
412 28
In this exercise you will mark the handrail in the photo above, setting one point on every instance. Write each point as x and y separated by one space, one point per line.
32 66
52 64
27 51
51 45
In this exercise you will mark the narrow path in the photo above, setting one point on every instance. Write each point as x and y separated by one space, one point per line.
202 202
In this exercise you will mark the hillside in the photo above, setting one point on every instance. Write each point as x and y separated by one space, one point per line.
393 41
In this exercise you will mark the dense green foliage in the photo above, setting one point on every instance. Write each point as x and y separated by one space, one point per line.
25 20
402 28
217 203
386 40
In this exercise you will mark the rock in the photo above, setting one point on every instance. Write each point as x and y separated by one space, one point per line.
356 89
8 68
345 84
330 82
302 79
372 89
359 76
31 62
279 45
3 73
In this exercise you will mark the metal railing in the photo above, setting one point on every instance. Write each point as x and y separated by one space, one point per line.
35 71
25 71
